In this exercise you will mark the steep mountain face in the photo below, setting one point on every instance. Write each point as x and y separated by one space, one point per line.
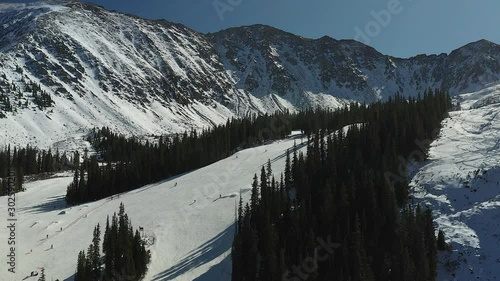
266 60
101 68
66 67
63 46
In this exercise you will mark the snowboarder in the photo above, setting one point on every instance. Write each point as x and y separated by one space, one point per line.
220 195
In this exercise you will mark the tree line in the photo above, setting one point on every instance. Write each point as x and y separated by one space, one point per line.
125 163
334 214
122 164
28 161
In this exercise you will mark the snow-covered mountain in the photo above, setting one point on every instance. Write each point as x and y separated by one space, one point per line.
266 60
142 77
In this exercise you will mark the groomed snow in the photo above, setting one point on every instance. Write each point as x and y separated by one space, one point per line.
192 241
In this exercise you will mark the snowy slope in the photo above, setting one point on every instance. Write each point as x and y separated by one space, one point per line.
191 241
104 69
461 183
144 77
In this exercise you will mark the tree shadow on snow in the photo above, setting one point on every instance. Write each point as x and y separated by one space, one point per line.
71 278
291 150
55 203
204 254
219 272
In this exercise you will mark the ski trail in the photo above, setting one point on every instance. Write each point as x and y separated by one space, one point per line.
74 222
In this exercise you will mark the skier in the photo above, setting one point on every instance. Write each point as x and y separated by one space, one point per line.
52 246
47 236
175 184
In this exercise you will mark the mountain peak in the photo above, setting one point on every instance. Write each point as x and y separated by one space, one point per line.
480 45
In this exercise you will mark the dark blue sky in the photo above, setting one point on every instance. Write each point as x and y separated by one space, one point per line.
397 27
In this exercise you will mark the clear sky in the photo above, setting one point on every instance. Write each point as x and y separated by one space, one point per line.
401 28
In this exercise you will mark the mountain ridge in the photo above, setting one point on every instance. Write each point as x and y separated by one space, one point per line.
150 77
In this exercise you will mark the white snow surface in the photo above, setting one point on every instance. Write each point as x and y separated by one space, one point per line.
142 77
113 53
189 241
461 183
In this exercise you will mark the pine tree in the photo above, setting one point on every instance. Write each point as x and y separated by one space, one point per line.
124 250
254 199
342 193
81 267
441 241
95 253
269 171
288 171
42 274
264 188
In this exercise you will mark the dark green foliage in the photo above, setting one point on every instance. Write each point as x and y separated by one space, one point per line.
125 253
28 161
441 241
350 189
123 164
5 104
81 268
129 163
42 275
41 98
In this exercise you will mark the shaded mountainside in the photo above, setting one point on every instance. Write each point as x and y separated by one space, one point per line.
67 66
